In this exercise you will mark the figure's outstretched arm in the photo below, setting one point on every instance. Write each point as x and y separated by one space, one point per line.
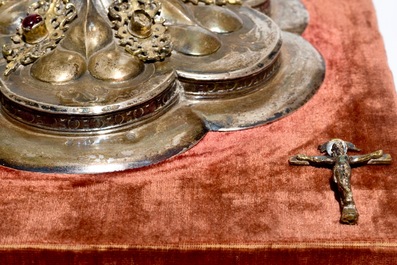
374 158
304 160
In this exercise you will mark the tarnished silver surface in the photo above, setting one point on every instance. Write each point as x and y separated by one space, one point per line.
289 15
110 95
291 86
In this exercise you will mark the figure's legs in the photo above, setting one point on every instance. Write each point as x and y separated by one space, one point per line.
349 214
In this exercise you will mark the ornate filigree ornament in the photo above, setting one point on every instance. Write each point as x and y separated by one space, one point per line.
39 33
105 85
140 28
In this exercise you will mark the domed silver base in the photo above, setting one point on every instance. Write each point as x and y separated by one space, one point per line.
300 74
101 85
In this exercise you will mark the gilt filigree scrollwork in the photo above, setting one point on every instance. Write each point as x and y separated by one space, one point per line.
39 33
140 28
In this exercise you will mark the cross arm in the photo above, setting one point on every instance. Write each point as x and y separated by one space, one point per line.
379 159
304 160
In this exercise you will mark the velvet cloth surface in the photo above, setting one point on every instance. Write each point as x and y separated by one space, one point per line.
233 198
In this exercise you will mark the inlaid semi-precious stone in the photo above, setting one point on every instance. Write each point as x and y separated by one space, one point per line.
34 28
337 158
141 24
30 21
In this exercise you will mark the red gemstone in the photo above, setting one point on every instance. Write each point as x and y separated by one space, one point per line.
30 21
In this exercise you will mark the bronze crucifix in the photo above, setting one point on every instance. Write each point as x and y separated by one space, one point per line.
337 157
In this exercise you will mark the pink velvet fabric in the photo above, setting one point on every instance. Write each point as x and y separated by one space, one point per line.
235 193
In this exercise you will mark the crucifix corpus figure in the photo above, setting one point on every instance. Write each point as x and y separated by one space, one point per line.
336 156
